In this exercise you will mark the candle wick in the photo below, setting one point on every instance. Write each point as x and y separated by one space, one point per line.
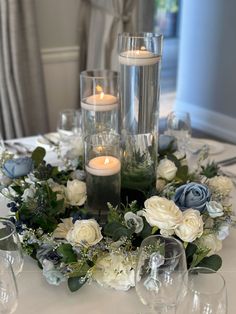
101 95
106 161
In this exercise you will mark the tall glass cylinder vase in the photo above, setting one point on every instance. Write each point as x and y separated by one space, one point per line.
140 61
99 101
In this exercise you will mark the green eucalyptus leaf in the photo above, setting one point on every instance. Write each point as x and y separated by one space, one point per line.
67 253
213 262
121 232
110 228
190 250
147 230
75 283
37 155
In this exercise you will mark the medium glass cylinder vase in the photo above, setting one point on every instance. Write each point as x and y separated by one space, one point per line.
99 101
140 61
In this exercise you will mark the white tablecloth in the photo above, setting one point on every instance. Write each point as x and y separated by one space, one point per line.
36 296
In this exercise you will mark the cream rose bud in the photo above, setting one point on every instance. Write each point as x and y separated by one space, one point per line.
162 213
191 227
211 242
220 184
160 184
166 169
76 192
85 232
214 209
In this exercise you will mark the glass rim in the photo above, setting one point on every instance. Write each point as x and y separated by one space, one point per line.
172 238
12 226
69 110
210 271
140 35
85 73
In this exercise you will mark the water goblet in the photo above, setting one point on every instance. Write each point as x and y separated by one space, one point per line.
69 125
10 246
159 273
179 126
8 287
203 292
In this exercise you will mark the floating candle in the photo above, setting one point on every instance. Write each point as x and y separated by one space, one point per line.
138 57
104 166
100 102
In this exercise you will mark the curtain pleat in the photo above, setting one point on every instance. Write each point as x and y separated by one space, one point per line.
98 34
23 106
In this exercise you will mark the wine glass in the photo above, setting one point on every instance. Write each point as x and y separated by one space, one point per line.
10 246
179 126
159 273
69 125
203 292
8 287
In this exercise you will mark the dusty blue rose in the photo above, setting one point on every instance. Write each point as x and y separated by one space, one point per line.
192 195
15 168
53 276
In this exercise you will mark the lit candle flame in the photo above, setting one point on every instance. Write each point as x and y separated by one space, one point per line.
99 88
106 161
100 91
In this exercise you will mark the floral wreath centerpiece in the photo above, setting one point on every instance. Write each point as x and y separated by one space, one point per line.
48 208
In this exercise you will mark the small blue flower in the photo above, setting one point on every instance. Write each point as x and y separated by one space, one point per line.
15 168
192 195
47 252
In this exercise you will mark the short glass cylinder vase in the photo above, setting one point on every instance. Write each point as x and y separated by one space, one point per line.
99 101
102 165
139 61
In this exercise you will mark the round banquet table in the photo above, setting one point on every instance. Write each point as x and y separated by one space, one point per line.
36 296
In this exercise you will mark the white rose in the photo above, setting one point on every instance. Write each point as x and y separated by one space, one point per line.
4 180
223 231
57 188
166 169
166 232
115 270
221 184
211 242
63 228
214 209
76 192
191 227
85 232
134 221
28 194
162 213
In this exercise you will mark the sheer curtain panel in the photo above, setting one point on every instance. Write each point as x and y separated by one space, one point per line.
100 22
23 108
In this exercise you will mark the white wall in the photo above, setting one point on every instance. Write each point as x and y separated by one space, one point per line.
57 25
207 65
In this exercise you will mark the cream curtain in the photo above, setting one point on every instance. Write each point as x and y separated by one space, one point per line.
100 22
23 109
